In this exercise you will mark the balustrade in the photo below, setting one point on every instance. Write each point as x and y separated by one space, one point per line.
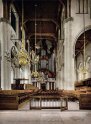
48 102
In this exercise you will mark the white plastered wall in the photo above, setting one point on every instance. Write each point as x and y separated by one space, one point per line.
72 30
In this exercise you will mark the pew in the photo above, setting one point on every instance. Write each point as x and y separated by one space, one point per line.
83 90
83 85
11 99
71 94
85 101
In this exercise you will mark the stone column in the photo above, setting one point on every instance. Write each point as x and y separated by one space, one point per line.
62 78
39 85
47 85
5 46
68 56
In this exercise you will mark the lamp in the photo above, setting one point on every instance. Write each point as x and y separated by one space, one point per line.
84 69
35 58
41 77
23 55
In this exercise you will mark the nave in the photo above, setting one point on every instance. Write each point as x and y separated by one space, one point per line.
45 61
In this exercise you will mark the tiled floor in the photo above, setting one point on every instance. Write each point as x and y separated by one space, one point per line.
26 116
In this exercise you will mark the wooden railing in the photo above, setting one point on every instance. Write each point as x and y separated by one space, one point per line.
48 102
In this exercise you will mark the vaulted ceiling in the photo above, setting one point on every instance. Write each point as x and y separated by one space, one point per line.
48 14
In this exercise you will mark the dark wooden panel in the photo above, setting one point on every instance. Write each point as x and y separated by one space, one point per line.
85 101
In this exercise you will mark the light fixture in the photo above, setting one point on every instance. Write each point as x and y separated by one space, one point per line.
84 68
34 57
41 78
23 55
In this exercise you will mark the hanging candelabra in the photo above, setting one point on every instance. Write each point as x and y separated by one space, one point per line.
84 68
23 55
35 58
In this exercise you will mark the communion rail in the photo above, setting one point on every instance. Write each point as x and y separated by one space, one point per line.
48 102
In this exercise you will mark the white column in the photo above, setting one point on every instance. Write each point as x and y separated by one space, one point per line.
5 65
39 85
47 85
68 58
54 85
51 85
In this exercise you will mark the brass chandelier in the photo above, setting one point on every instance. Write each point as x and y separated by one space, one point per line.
35 58
84 69
23 55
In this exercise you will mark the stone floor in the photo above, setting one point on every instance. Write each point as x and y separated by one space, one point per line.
45 117
25 116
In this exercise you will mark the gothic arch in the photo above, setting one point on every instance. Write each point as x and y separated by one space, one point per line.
87 28
78 50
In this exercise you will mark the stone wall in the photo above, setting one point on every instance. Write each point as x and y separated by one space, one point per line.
73 28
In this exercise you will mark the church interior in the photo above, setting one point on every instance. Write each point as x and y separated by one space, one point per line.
45 61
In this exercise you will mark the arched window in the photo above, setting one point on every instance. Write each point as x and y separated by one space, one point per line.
14 19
